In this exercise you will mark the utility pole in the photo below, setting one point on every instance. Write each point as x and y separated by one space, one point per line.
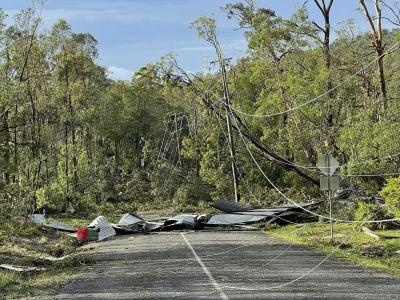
196 121
228 109
206 29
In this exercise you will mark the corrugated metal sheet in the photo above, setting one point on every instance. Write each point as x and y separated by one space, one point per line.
233 219
229 207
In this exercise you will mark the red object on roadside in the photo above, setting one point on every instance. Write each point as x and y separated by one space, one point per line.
82 234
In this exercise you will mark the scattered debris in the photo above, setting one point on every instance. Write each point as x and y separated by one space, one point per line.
132 223
273 214
182 222
350 194
233 219
372 251
53 259
70 209
103 227
38 219
152 226
235 215
229 207
21 268
130 219
371 233
53 224
85 234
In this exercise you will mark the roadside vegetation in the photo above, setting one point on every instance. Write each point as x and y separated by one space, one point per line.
349 243
70 136
32 246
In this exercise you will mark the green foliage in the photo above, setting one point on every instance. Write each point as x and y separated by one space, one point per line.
7 280
391 195
69 134
350 243
369 212
191 194
343 211
51 196
206 28
136 188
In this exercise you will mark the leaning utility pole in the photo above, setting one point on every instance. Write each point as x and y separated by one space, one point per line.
228 109
195 133
206 29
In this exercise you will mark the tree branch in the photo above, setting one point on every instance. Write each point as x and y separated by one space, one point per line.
319 27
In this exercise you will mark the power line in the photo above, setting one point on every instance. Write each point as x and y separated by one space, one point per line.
244 181
320 96
316 169
304 274
294 202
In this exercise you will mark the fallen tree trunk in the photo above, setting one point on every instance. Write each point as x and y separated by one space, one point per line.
378 236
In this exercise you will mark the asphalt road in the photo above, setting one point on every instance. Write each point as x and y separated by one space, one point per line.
220 265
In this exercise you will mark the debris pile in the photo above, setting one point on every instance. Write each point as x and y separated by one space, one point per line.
287 213
234 215
350 195
52 224
21 268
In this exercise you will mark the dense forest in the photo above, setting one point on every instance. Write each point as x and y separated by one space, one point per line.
72 137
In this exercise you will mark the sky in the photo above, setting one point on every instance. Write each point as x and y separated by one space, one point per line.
133 33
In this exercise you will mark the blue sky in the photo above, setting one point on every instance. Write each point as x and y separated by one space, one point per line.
132 33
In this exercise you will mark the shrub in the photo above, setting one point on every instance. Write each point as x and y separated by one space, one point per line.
51 196
391 195
191 195
344 210
369 212
7 279
137 188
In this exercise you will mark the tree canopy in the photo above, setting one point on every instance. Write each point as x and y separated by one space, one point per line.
71 136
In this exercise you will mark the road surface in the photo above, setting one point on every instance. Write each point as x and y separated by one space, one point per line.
220 265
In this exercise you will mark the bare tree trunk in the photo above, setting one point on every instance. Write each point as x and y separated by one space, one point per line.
66 170
116 156
6 154
74 159
326 30
325 9
36 186
35 139
377 43
15 142
89 150
72 129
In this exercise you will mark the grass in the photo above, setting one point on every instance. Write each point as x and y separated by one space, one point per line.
23 243
74 220
18 285
349 243
26 244
8 280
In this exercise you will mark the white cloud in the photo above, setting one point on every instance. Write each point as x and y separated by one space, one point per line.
117 73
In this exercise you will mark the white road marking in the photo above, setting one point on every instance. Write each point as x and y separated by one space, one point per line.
208 273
